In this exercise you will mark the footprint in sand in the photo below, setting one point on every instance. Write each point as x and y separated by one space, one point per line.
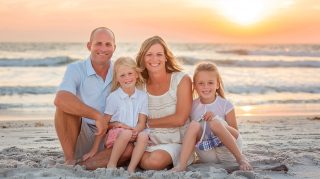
47 139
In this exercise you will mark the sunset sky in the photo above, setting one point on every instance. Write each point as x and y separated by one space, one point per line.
214 21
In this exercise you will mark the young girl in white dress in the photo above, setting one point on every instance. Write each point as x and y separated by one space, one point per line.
218 139
128 107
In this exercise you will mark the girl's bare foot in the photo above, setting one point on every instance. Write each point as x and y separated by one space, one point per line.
178 169
131 170
111 166
244 164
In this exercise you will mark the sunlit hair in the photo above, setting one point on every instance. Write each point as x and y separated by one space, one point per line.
208 67
171 63
102 28
129 62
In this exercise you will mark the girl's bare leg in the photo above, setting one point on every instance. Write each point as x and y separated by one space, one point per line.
192 135
230 142
142 142
118 147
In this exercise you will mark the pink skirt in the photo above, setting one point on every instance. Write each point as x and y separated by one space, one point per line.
112 136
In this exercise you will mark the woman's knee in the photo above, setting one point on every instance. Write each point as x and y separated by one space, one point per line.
155 161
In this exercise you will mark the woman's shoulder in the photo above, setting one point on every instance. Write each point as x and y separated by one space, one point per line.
176 81
177 77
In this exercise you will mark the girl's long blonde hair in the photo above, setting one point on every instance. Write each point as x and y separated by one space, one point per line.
209 67
129 62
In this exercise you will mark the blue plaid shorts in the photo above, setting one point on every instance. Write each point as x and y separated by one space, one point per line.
210 143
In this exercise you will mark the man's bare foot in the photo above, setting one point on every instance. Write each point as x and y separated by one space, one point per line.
178 169
70 162
89 155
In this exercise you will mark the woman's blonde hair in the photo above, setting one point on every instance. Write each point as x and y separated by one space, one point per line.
209 67
171 62
129 62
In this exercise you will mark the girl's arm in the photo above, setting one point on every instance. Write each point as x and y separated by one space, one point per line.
183 107
141 125
117 124
231 119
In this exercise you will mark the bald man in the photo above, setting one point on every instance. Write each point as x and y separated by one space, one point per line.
80 102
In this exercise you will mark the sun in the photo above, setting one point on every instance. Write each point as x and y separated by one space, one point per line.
245 12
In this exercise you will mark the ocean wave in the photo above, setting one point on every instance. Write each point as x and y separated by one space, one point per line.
272 52
50 106
255 89
22 90
253 63
299 101
10 106
46 61
234 89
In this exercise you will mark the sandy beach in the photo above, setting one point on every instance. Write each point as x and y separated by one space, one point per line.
30 149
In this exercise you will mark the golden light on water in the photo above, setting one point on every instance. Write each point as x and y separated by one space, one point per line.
246 108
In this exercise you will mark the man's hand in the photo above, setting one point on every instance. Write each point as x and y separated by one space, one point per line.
102 125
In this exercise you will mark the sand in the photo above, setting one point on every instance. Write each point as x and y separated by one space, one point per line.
30 149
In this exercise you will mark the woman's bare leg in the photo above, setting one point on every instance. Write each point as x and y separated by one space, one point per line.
155 160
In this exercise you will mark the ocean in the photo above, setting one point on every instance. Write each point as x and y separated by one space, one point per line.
254 75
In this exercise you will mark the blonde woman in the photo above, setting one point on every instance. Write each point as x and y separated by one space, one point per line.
170 99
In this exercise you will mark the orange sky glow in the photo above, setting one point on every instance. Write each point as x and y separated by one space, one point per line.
249 21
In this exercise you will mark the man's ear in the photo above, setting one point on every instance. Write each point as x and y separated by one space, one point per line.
115 46
89 46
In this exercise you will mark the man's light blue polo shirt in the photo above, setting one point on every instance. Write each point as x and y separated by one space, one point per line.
81 80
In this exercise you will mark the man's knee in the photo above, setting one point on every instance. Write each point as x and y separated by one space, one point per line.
66 119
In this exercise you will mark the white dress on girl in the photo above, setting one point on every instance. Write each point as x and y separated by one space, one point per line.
220 107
